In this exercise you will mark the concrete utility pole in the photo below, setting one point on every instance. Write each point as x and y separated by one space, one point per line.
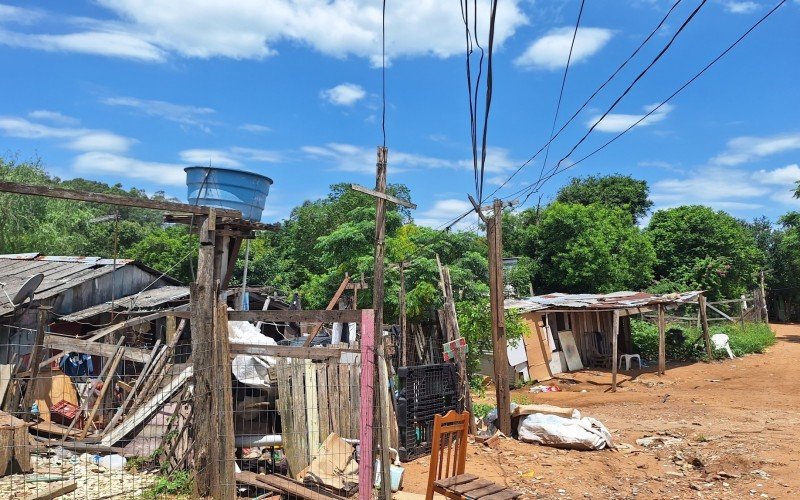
494 238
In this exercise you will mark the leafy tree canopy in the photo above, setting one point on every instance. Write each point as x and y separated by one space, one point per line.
621 191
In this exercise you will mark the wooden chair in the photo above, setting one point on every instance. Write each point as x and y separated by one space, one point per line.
448 457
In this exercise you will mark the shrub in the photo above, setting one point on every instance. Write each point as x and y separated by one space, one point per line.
753 338
179 484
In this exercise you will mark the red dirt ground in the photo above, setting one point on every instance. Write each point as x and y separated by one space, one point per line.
738 422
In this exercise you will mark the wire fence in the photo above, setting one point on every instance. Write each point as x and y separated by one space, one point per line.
120 416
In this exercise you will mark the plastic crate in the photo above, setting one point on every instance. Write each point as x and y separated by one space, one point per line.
423 392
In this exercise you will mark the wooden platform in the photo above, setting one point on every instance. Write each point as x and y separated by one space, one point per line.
472 487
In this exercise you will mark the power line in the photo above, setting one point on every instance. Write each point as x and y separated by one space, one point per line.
664 102
563 82
635 80
591 97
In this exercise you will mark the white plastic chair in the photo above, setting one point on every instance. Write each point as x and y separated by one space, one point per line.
721 341
627 358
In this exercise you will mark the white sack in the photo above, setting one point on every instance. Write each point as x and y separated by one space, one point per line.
251 370
572 433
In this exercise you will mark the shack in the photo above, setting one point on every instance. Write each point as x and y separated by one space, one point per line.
568 332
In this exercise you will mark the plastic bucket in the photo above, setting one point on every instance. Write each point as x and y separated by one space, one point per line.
228 188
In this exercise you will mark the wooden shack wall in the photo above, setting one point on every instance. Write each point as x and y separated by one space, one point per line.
585 324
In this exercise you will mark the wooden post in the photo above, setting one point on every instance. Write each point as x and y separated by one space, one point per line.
494 236
614 351
366 413
333 302
37 353
107 383
202 308
223 403
402 307
377 305
701 300
764 298
662 341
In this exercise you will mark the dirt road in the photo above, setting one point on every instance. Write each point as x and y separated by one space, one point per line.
736 425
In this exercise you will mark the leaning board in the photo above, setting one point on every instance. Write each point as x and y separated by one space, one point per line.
571 353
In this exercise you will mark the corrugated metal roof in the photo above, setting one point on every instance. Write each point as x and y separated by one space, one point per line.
60 273
609 301
136 302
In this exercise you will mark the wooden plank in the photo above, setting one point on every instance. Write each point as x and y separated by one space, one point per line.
335 397
312 408
455 480
52 491
297 316
384 196
68 344
470 486
485 491
293 489
223 402
140 380
289 435
345 411
5 380
316 353
35 358
722 313
334 300
112 199
299 418
145 410
107 382
56 429
365 476
323 400
503 495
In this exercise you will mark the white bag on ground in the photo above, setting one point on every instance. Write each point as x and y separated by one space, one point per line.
573 433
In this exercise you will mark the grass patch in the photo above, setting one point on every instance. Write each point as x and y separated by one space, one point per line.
178 484
685 343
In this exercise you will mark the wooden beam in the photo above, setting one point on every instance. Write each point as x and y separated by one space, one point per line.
297 316
36 358
107 382
112 199
385 196
52 491
662 346
223 402
285 351
708 304
334 300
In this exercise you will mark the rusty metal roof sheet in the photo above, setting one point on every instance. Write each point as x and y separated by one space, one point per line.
137 302
60 273
609 301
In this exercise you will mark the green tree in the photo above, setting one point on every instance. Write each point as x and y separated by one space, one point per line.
591 248
622 191
699 248
475 324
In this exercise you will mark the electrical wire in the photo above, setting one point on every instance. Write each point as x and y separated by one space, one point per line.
589 99
664 102
563 82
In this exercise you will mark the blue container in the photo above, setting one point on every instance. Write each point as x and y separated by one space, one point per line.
228 188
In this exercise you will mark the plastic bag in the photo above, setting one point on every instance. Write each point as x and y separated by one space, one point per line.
577 433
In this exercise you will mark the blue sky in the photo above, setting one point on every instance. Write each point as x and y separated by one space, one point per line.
132 91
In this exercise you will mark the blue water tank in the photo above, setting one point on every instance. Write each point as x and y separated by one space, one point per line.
228 188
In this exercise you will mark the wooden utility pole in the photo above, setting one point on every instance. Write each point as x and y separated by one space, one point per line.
662 342
37 353
377 305
494 238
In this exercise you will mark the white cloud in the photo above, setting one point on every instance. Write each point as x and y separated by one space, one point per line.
103 43
746 7
255 128
131 168
193 116
150 30
345 94
498 161
234 156
744 149
350 158
81 139
618 122
714 186
785 176
53 117
552 50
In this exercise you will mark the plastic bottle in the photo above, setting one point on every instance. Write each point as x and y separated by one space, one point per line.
110 461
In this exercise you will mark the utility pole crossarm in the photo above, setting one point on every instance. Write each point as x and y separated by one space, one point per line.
385 196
